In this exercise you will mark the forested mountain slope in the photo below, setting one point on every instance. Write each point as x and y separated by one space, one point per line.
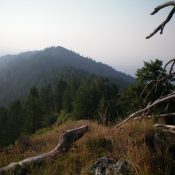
18 73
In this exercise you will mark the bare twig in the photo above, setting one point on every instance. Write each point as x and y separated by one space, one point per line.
149 107
162 25
170 3
172 115
165 128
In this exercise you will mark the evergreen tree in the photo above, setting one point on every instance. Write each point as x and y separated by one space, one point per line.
108 99
150 71
15 120
46 98
130 100
96 100
147 89
47 104
70 94
59 93
85 103
153 71
4 132
33 110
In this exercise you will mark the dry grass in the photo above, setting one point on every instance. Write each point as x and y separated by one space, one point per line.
128 143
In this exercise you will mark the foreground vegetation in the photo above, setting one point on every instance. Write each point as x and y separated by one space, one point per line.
128 143
83 96
80 98
92 100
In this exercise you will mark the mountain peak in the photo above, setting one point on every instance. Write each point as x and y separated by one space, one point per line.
20 72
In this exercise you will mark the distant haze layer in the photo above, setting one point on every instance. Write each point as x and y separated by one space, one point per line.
111 31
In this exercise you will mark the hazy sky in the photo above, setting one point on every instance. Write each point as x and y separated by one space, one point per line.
110 31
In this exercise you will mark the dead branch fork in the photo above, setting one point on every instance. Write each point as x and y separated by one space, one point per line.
169 17
168 78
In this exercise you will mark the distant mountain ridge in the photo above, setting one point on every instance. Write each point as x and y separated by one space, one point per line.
19 72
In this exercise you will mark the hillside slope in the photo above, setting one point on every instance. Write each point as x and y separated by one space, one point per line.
125 144
20 72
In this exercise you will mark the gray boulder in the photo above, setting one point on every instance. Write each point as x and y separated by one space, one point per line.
106 166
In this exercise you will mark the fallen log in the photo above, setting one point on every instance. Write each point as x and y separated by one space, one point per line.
67 140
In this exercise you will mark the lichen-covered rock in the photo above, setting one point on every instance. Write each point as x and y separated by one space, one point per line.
106 166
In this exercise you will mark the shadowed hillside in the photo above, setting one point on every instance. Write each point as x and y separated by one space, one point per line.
20 72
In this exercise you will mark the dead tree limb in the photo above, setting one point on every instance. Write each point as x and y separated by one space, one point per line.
148 108
164 115
67 140
156 116
163 24
165 128
166 79
170 3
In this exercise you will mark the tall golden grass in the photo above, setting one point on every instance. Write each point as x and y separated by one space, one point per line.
127 143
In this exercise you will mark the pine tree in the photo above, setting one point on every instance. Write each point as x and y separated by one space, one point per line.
85 103
33 110
70 94
59 93
4 132
47 104
15 120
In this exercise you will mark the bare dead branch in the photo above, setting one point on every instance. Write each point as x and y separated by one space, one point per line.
155 83
149 107
172 115
165 128
166 79
170 3
164 115
163 24
68 138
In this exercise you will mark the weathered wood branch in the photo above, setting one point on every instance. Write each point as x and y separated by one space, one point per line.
160 116
163 24
67 140
148 108
166 79
170 3
164 115
165 128
163 78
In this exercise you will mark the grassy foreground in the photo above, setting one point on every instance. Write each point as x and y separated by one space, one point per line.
128 143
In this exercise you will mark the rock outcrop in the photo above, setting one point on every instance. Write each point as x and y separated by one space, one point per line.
107 166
